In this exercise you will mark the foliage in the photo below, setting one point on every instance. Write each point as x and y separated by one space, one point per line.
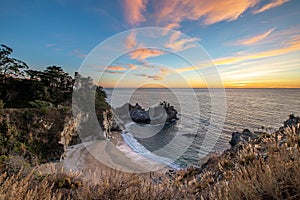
8 65
42 105
1 107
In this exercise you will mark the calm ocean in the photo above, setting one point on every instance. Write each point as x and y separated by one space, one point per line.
184 143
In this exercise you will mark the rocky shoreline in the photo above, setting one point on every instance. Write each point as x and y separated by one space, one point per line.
163 113
247 149
250 152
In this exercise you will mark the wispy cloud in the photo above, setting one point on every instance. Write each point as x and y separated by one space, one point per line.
162 72
172 26
256 72
255 39
131 66
292 45
143 53
273 4
170 13
174 12
133 11
130 41
50 45
116 68
78 53
177 44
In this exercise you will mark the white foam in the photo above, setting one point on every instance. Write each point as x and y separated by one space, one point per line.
140 150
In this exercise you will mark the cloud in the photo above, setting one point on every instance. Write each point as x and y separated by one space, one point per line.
113 72
131 66
186 69
273 4
50 45
213 11
172 26
116 68
130 41
292 45
256 39
160 75
170 13
177 44
204 64
78 53
154 77
133 11
143 53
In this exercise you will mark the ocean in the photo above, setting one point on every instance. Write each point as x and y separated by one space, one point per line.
201 130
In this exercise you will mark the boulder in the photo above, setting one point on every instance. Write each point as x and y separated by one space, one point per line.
242 137
158 114
292 121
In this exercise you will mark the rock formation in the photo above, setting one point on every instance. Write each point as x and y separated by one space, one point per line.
158 114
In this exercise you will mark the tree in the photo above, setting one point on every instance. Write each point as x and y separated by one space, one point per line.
8 65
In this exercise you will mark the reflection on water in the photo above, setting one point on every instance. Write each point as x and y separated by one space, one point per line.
246 108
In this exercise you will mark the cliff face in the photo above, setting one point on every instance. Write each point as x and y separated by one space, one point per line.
69 134
41 136
33 134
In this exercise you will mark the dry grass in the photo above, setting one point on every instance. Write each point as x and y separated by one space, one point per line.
266 168
111 185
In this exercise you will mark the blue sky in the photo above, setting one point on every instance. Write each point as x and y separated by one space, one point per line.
252 43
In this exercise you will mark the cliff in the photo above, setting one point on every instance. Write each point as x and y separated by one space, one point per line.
36 136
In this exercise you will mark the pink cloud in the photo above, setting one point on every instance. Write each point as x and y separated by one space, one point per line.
131 66
177 44
213 11
273 4
116 68
256 39
130 41
133 11
143 53
78 53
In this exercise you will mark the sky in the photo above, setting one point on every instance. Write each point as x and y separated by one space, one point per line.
192 43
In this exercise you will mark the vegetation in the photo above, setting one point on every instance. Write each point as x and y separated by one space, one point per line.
33 108
270 174
8 65
266 167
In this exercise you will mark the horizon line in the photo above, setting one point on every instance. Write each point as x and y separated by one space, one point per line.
203 88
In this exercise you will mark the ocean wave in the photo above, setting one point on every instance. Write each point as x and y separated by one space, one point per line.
140 149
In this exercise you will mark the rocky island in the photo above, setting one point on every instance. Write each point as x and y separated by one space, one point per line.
163 113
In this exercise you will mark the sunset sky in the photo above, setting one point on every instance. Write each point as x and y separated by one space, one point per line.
251 43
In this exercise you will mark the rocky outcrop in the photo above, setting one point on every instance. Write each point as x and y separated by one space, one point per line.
292 121
69 135
239 138
275 153
159 114
242 137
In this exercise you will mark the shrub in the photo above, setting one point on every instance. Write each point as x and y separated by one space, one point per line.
42 105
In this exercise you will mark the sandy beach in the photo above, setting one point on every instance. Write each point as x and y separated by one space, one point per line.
90 160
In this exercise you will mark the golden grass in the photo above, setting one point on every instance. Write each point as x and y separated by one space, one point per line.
266 168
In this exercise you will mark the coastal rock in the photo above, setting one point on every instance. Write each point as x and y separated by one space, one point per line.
159 114
292 121
245 136
69 134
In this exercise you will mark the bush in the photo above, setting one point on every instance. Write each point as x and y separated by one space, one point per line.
1 107
42 105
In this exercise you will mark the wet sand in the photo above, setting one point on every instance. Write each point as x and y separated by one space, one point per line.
93 159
